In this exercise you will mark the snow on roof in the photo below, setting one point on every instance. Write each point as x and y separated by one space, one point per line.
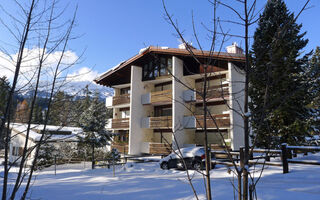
142 50
59 132
113 68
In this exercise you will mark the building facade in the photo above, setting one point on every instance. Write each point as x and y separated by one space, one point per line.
158 104
55 135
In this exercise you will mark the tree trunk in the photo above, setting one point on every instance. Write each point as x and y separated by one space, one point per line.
93 165
246 117
239 187
207 159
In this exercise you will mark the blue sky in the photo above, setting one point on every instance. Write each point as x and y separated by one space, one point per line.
113 31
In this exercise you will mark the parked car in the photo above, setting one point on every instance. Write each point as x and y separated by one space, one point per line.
313 140
194 158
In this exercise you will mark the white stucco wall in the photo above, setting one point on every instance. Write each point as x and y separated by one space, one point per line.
179 110
18 140
167 136
138 135
136 111
236 78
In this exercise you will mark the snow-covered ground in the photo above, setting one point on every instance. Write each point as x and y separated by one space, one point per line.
148 181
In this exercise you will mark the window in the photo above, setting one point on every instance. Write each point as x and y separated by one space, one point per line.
150 70
125 112
169 67
125 90
163 86
17 151
167 112
145 71
123 136
162 111
156 68
163 70
14 151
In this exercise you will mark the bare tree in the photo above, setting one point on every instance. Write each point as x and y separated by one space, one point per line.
247 15
40 25
204 92
6 118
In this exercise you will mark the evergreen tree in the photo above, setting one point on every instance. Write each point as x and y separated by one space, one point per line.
37 116
45 156
82 104
93 121
60 110
315 89
4 91
278 88
87 100
109 113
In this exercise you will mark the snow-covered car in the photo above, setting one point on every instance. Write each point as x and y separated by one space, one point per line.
313 140
194 158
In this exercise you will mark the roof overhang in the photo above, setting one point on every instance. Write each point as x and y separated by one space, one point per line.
121 73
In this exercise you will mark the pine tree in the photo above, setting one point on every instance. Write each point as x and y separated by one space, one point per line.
277 85
4 92
60 110
37 116
87 100
315 89
45 156
93 121
83 104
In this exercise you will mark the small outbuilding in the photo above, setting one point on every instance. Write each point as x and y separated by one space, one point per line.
55 135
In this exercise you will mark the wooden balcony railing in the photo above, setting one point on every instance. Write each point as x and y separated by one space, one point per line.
120 123
222 120
160 122
215 92
121 99
164 96
159 148
121 147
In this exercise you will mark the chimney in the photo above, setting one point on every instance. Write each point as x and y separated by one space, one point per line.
234 48
184 46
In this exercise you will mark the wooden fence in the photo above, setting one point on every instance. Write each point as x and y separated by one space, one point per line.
291 151
286 154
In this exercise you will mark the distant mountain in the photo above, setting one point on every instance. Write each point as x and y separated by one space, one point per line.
78 89
75 89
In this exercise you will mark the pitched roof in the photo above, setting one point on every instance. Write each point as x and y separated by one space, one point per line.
35 132
174 52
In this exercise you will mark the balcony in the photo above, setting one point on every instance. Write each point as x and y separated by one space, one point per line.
163 122
122 123
118 101
121 147
156 148
121 99
197 121
213 93
158 98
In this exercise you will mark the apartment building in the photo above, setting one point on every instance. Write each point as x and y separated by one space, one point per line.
155 105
